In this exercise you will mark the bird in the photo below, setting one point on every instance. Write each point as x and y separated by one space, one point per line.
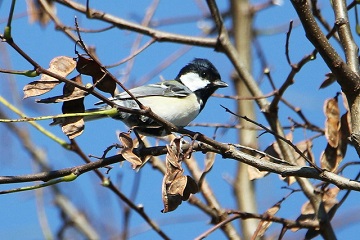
179 101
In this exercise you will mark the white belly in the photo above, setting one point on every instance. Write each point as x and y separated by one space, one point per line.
179 112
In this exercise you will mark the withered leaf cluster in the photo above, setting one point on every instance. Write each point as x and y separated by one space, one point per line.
330 203
61 66
176 187
72 97
337 131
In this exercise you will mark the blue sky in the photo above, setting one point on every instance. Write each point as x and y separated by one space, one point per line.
43 44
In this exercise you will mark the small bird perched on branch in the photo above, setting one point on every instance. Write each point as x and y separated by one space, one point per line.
178 101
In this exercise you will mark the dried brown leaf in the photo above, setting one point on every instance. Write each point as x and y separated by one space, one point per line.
88 66
209 161
331 157
191 188
105 84
176 191
70 92
344 134
255 173
70 89
274 151
74 106
39 87
330 78
304 146
127 150
174 156
61 65
73 126
171 201
101 80
332 122
132 158
330 204
289 180
264 225
330 196
328 158
140 141
175 187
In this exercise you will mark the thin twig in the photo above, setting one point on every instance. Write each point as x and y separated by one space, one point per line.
279 137
288 42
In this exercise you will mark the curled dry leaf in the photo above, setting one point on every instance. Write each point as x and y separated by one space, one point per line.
305 147
176 187
101 79
272 150
39 87
264 225
61 66
332 122
140 142
328 158
127 150
329 79
344 132
73 127
330 204
331 157
70 92
255 173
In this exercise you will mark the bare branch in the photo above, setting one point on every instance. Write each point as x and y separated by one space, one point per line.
346 38
160 36
348 80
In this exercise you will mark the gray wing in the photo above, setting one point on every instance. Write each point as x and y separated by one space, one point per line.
167 88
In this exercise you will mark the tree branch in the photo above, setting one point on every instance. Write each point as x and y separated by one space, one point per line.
160 36
346 77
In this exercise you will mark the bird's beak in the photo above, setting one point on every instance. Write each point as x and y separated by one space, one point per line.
220 84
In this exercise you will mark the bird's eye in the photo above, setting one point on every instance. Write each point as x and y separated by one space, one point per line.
203 74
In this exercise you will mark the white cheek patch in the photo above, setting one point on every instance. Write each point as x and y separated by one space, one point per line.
193 81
